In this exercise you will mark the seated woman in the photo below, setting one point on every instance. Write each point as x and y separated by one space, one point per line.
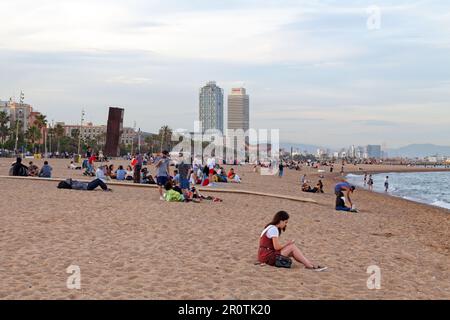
233 177
270 246
33 169
130 174
110 171
319 187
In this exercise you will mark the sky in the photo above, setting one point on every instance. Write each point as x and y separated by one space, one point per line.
330 73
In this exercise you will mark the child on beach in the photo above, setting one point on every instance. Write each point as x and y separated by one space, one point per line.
270 246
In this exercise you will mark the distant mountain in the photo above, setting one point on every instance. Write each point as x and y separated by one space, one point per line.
419 151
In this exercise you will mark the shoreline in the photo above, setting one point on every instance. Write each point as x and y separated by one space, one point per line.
403 197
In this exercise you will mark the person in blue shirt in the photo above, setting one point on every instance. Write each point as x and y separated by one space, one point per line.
121 173
339 190
46 171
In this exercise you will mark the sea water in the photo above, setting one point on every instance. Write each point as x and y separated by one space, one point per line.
425 187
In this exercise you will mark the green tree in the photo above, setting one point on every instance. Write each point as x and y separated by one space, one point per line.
165 138
4 129
100 140
33 135
41 123
59 134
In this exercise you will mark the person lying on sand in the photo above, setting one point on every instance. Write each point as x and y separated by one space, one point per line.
270 246
84 186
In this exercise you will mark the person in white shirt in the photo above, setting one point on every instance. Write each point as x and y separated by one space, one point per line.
270 246
100 173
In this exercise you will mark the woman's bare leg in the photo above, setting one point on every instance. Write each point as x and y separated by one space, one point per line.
293 251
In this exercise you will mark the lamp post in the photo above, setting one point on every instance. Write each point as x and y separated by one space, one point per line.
79 133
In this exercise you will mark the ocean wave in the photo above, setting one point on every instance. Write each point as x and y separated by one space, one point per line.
441 204
352 175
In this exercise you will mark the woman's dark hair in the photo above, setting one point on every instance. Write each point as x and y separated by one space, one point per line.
168 186
279 216
120 167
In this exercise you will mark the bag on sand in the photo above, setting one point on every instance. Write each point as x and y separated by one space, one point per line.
283 262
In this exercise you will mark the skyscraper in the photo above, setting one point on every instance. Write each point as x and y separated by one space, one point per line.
374 151
238 110
211 107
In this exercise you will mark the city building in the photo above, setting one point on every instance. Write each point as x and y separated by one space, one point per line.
374 151
211 107
20 113
90 131
238 110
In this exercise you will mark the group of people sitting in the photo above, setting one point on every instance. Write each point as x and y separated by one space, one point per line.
18 169
174 193
317 189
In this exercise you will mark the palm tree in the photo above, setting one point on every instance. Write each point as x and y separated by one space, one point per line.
59 133
165 135
50 134
41 123
33 134
4 130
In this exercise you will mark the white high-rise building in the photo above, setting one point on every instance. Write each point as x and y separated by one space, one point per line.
238 110
211 107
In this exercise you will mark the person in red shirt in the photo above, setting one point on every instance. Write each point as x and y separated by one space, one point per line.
91 161
270 246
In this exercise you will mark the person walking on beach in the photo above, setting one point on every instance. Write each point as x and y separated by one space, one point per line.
386 184
162 172
280 169
270 246
339 190
370 183
365 179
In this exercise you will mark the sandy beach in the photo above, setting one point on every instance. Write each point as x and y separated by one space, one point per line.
130 245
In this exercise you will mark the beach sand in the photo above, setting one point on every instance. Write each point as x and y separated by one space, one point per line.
130 245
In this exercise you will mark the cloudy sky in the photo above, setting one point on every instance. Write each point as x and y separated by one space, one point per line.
320 71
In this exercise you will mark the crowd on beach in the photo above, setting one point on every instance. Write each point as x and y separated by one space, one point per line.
179 184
